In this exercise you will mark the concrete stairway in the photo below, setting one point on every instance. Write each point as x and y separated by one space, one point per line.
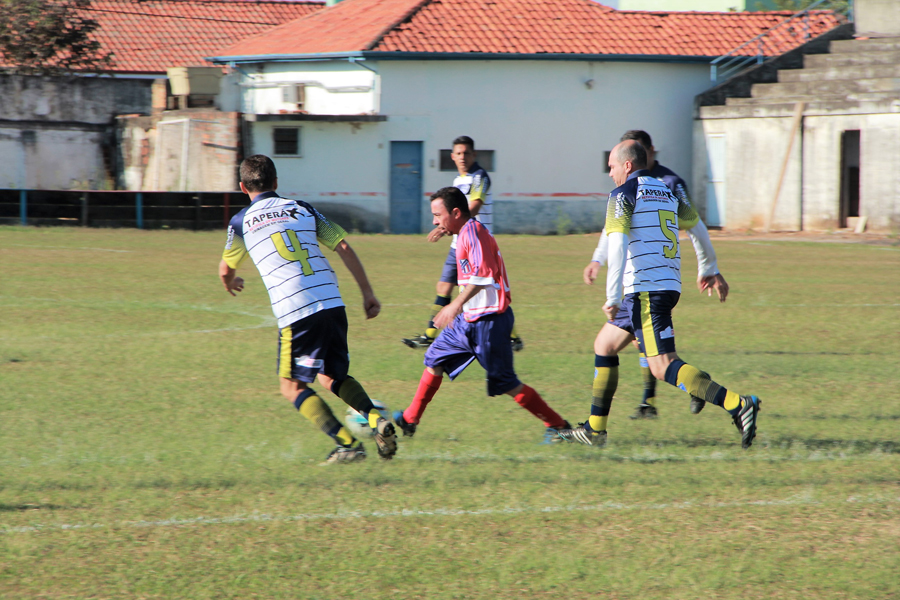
853 72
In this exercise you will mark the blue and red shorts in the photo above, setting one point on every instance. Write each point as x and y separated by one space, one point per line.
486 340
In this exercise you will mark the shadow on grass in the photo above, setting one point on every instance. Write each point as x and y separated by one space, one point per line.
28 506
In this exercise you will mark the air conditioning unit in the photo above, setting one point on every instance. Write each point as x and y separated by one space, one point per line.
295 95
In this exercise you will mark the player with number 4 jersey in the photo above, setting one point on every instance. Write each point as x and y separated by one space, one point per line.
283 237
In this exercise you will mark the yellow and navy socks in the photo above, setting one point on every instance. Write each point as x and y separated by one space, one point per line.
697 383
649 381
606 380
439 303
350 391
314 408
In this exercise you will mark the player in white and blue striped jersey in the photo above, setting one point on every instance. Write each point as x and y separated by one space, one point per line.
283 238
643 285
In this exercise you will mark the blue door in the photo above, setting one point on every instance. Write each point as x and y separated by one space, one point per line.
406 187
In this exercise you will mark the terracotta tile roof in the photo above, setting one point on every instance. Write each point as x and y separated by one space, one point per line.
152 35
521 27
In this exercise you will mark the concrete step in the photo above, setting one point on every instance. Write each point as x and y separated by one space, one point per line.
841 87
786 109
810 99
816 61
867 45
838 73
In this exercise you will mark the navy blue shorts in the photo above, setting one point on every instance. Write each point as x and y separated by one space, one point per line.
648 316
448 274
487 340
316 344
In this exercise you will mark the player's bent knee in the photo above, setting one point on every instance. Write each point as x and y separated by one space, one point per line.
291 387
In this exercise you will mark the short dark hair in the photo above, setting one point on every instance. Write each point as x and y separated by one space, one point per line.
639 136
258 173
453 198
634 153
464 139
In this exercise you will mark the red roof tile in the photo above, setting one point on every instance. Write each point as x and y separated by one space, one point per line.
149 36
522 27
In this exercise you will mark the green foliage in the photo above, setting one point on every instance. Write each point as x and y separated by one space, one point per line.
49 37
147 453
839 6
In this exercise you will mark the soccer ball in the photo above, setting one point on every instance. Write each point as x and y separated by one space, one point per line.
358 424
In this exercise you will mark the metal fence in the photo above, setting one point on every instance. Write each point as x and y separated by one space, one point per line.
787 35
144 210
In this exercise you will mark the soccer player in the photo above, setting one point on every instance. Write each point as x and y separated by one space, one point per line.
647 408
477 322
283 237
474 182
643 285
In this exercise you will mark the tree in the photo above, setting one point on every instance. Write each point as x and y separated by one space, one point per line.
49 37
838 6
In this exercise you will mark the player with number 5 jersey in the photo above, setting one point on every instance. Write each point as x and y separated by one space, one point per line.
643 286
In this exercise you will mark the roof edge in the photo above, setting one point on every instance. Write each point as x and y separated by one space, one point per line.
375 55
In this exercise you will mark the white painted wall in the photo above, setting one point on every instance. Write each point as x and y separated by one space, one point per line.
756 147
549 123
332 87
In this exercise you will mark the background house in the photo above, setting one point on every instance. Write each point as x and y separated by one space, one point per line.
60 132
358 102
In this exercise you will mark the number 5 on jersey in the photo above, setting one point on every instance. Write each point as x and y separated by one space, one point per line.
295 253
669 226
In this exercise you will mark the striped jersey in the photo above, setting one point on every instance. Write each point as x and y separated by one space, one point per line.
671 179
646 210
282 238
476 185
478 262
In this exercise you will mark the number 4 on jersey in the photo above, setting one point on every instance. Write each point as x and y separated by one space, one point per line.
669 226
295 253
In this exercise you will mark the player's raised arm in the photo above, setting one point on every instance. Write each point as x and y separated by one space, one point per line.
371 305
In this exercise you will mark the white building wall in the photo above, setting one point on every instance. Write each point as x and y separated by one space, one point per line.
755 152
331 87
811 200
548 122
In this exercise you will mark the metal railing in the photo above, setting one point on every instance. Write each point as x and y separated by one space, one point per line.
787 35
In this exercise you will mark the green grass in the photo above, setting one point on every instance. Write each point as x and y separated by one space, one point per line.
147 453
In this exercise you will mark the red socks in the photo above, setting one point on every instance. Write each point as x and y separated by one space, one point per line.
531 401
428 387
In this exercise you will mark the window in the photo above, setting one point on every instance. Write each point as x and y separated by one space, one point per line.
286 141
485 158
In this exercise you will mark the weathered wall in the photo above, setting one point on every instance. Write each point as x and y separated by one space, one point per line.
192 149
875 18
755 149
58 132
809 200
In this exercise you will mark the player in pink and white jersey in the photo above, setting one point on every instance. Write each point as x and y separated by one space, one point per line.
477 323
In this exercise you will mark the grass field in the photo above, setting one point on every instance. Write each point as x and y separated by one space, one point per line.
147 453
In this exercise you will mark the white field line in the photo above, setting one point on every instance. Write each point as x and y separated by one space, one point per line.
817 305
42 247
266 321
802 499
